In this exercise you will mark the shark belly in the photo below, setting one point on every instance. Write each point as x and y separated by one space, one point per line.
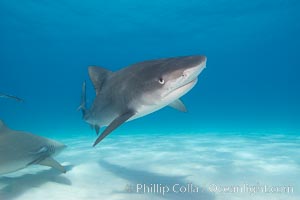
12 166
144 110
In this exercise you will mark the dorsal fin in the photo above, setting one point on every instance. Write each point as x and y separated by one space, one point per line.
98 76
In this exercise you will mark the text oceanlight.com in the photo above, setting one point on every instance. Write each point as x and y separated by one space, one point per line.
213 188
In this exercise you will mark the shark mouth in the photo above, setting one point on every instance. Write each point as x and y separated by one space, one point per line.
191 83
181 90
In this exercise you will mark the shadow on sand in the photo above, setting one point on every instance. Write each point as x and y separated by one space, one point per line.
16 186
135 177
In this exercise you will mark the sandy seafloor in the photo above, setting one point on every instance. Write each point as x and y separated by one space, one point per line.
116 167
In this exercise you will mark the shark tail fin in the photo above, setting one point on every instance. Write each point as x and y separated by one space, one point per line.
82 106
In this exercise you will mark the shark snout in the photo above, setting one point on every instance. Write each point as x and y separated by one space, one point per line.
199 62
61 147
203 59
195 67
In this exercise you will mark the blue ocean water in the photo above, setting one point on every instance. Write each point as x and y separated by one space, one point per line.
250 86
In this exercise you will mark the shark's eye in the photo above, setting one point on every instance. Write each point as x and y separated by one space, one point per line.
161 81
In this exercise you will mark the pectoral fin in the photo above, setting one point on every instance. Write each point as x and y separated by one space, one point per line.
114 124
178 105
50 162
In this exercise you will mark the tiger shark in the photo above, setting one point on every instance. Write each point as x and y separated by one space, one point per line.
19 150
138 90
